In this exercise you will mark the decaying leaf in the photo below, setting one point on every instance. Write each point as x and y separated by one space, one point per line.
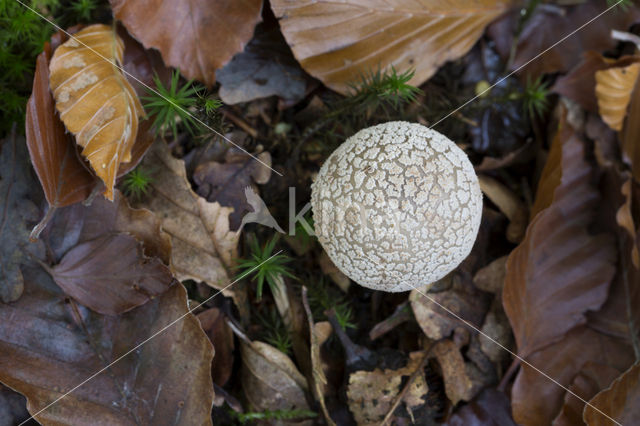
624 218
95 101
225 183
18 212
631 133
491 277
213 323
338 42
457 383
560 268
496 326
203 247
613 90
620 401
265 68
47 349
270 379
12 407
336 275
462 298
63 177
491 408
509 204
197 36
371 394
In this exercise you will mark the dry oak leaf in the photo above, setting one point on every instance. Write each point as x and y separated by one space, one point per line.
371 394
614 87
621 401
338 42
559 271
95 101
196 36
48 346
203 247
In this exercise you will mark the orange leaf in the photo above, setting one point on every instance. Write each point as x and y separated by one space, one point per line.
338 42
96 103
613 90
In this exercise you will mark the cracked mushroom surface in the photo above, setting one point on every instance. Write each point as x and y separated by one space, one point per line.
397 206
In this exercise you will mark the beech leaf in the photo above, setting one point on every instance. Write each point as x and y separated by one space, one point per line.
620 401
196 36
559 268
95 101
613 90
339 42
49 346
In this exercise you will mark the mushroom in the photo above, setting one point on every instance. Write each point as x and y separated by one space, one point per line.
397 206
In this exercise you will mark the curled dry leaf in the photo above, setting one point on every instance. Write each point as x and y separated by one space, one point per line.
226 183
509 204
576 278
204 247
197 36
270 379
95 101
220 334
19 211
621 401
339 42
462 298
371 394
63 177
47 349
613 90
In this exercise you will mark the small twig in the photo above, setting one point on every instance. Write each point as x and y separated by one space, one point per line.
407 385
240 123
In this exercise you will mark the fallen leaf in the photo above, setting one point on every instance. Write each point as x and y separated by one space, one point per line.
19 210
95 101
371 394
225 183
457 384
631 133
613 91
559 268
49 346
496 326
270 379
535 400
111 275
624 218
462 298
198 37
203 247
265 68
509 204
336 275
585 384
63 177
13 408
490 408
620 401
491 277
221 336
338 43
548 25
578 84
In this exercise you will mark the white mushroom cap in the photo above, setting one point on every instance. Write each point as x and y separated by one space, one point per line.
397 206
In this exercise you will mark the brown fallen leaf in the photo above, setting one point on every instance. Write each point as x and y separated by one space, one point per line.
111 275
624 217
63 177
535 400
221 336
496 326
336 275
203 246
13 408
548 25
613 91
198 37
490 408
509 204
225 183
95 101
270 380
631 133
586 385
462 298
339 42
49 346
19 212
457 383
560 268
491 277
371 394
620 401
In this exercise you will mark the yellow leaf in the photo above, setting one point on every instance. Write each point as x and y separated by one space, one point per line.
95 101
613 90
337 42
